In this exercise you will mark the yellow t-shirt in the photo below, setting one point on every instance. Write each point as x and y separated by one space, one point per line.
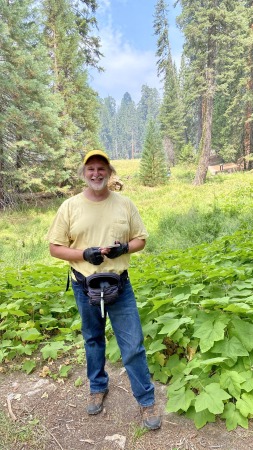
81 223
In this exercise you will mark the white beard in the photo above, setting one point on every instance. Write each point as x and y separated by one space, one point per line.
96 185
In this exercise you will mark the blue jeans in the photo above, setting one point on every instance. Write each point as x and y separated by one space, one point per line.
126 325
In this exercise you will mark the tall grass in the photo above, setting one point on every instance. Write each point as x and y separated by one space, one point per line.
177 215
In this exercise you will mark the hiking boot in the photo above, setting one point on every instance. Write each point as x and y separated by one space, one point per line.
150 417
95 402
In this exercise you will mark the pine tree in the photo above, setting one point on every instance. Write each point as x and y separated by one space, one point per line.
161 29
124 127
248 128
171 116
153 169
147 108
67 37
171 113
231 130
211 29
29 135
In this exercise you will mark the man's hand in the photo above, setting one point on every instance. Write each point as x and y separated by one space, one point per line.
93 256
117 251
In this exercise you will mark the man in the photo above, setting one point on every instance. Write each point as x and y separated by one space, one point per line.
84 232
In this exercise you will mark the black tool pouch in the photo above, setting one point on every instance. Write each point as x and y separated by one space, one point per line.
110 284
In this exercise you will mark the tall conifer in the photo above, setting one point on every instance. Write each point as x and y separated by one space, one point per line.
171 113
147 108
213 41
68 38
29 131
153 168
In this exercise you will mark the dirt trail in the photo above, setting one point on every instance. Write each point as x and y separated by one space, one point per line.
63 423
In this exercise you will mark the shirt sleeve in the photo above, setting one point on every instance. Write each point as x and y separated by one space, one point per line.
137 227
58 233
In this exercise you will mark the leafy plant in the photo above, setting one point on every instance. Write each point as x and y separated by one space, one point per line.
36 313
196 308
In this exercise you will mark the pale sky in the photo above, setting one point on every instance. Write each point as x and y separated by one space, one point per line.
129 47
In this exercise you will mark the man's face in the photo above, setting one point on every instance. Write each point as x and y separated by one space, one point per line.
96 173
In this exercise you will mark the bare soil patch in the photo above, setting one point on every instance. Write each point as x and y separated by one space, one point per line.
58 408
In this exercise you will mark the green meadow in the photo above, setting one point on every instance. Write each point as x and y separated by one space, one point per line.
177 215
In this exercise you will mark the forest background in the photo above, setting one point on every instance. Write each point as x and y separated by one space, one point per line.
50 117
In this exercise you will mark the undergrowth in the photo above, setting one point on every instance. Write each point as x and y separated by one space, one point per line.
196 308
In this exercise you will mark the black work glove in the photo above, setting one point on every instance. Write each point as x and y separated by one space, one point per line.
93 256
117 251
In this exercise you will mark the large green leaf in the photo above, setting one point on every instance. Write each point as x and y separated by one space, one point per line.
180 400
211 398
232 348
112 349
243 330
156 346
210 331
53 349
31 334
245 404
150 329
233 417
232 381
200 418
28 366
173 325
239 308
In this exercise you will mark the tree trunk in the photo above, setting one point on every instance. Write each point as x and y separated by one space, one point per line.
248 137
169 151
207 108
200 119
205 144
1 176
248 129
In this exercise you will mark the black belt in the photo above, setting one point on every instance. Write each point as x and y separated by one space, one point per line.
80 278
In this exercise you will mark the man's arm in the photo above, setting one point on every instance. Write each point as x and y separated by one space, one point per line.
135 245
65 253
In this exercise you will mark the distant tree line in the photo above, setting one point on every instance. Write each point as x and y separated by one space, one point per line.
123 127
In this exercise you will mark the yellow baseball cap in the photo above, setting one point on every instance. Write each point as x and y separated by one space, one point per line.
96 153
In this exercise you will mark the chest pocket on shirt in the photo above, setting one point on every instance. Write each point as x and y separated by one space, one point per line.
120 230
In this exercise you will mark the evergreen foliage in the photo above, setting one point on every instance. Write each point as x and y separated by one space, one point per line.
67 38
171 111
147 108
216 42
153 168
48 112
30 138
161 27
